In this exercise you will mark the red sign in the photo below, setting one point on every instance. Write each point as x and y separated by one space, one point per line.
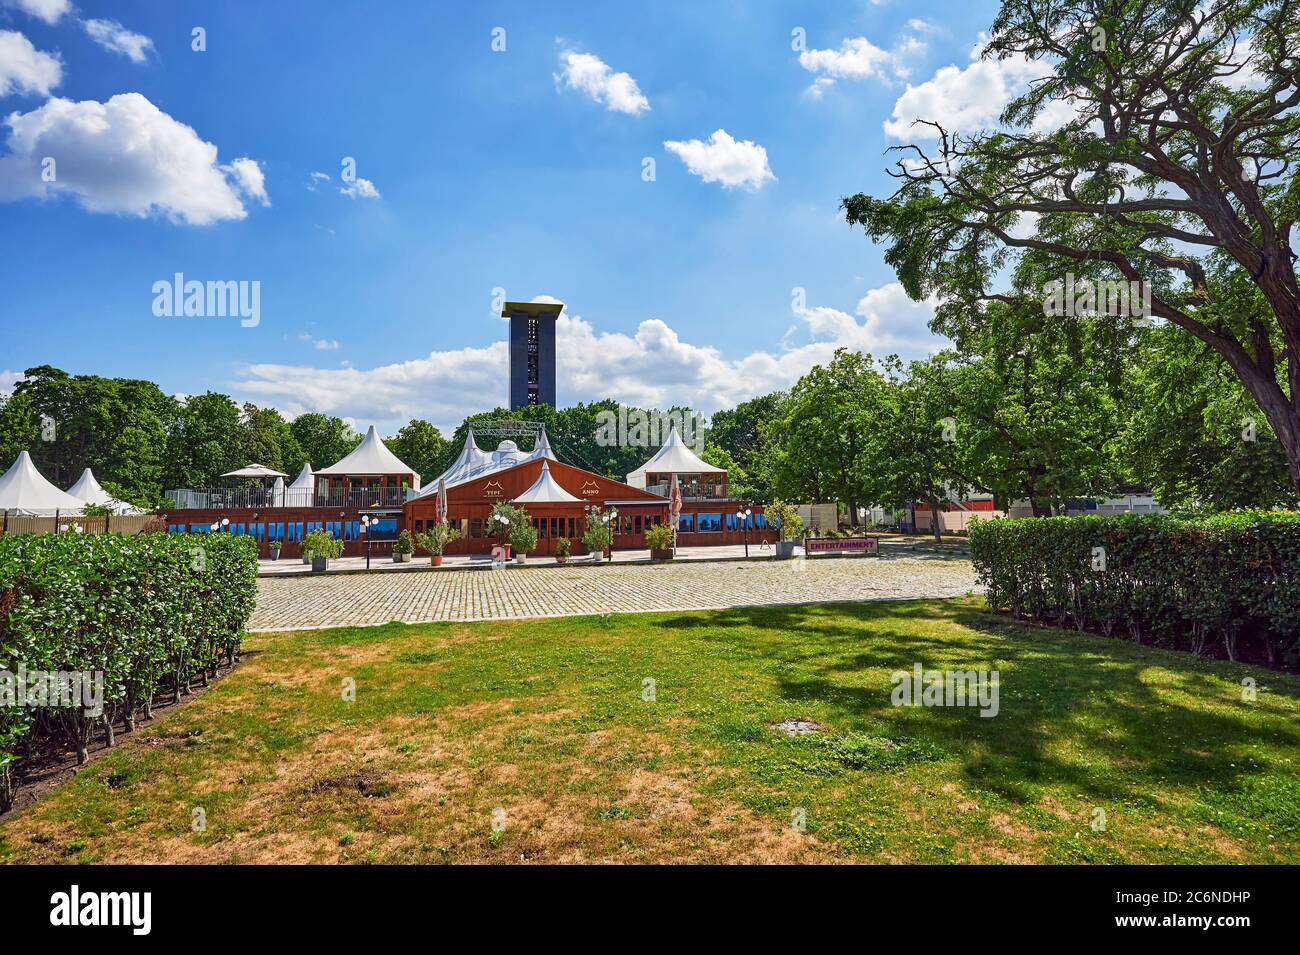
842 545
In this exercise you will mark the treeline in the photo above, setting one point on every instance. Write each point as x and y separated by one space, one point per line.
141 442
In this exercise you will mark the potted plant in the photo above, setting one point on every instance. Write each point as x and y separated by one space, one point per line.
790 526
660 539
596 538
523 538
275 546
437 537
502 519
562 550
402 548
320 547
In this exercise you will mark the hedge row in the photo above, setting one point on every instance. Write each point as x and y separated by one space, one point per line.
151 612
1228 582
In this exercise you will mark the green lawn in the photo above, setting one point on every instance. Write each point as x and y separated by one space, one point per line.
545 721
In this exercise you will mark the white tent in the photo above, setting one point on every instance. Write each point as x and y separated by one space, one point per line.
542 450
673 458
23 490
255 471
371 458
302 491
472 458
87 489
545 490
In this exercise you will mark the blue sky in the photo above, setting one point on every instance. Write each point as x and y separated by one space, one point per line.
519 170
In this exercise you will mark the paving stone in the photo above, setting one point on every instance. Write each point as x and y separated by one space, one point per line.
346 600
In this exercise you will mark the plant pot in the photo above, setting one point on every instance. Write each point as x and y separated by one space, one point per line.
435 560
275 554
521 558
507 549
665 554
401 558
785 548
561 559
319 564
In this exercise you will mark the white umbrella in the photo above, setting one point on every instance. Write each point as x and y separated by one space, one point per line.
277 493
255 471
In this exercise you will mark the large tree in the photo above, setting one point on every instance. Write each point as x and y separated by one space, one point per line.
421 446
1176 170
324 439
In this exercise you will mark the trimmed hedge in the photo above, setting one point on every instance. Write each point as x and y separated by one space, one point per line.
151 611
1229 581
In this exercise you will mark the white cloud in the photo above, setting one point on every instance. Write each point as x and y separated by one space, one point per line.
7 381
723 159
48 10
249 178
860 59
25 69
315 179
963 100
589 74
111 35
360 189
124 156
446 386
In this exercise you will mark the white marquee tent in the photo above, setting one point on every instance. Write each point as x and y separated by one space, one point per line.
88 489
24 491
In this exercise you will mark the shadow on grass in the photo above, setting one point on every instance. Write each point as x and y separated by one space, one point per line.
1103 718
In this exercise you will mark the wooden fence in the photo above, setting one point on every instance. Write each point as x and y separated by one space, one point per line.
114 523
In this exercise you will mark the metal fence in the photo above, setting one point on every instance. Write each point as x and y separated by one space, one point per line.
258 497
72 524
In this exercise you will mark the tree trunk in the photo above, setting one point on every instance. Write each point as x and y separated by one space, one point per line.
933 501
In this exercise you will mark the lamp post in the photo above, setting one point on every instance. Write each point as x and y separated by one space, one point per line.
743 517
365 529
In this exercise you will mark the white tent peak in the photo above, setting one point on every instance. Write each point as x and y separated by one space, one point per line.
305 478
674 457
542 450
371 457
545 490
89 490
24 489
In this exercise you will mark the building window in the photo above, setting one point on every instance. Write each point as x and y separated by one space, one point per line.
710 523
686 523
476 527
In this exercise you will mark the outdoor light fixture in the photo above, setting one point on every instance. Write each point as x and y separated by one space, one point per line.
365 528
743 516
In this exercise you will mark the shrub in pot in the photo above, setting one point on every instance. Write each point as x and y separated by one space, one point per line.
437 537
790 526
523 538
562 550
402 548
275 550
660 540
502 521
320 547
597 537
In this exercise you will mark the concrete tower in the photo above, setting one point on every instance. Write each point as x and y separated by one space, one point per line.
532 352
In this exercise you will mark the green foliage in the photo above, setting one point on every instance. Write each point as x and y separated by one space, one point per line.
321 543
659 537
143 610
324 439
505 517
403 544
421 446
522 536
597 535
563 547
1178 582
437 537
786 517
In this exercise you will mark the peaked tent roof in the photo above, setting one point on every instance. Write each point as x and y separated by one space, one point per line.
25 490
88 490
471 457
675 458
542 450
305 478
255 471
545 490
371 457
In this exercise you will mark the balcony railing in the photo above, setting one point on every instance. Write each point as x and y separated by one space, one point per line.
256 497
693 492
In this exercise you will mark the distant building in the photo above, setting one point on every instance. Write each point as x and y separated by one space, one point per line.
532 352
